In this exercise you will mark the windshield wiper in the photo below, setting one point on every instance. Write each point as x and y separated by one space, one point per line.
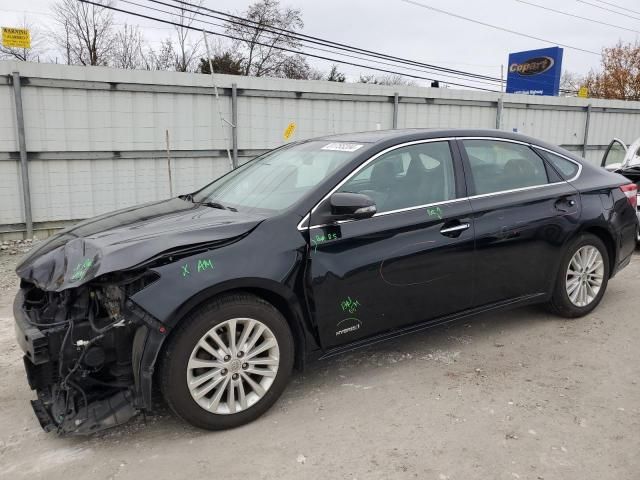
218 205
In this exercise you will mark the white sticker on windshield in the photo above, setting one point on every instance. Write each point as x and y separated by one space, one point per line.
342 147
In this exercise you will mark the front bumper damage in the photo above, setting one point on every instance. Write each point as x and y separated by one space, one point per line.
89 355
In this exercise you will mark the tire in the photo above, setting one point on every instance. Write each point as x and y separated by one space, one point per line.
562 302
193 345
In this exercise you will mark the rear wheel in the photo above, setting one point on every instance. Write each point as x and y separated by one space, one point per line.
582 278
228 362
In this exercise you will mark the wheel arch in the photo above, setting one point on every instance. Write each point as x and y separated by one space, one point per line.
607 238
277 294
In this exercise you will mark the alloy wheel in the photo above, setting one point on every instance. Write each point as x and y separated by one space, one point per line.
584 276
233 366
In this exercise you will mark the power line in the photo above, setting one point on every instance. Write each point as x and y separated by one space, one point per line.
480 79
237 20
618 6
608 9
496 27
339 61
318 48
577 16
317 40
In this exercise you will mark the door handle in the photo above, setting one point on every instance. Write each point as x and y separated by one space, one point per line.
455 229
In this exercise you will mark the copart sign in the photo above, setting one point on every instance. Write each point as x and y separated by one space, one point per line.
535 72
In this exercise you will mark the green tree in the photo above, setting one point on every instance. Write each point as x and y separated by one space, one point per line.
222 63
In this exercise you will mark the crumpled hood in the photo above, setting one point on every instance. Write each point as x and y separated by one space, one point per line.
125 238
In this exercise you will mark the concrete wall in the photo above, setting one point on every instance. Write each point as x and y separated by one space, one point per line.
95 136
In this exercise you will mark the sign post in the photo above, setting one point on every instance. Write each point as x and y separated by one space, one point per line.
535 72
16 37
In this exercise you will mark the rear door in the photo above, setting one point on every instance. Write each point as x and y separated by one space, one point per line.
614 155
523 213
410 262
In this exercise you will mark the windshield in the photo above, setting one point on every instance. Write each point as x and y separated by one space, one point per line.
277 179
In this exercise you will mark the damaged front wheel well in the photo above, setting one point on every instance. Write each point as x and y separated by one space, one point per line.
275 299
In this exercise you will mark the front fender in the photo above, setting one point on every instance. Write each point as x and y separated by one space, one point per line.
187 282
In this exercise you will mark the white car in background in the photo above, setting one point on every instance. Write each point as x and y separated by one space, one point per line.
626 161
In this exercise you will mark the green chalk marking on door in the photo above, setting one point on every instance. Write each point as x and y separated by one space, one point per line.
318 239
435 212
349 305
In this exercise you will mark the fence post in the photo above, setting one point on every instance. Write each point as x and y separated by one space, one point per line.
396 100
234 121
499 108
169 163
22 144
586 132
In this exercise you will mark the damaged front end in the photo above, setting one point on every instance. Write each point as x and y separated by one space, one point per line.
84 352
90 351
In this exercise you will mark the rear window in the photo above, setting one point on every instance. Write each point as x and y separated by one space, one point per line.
566 168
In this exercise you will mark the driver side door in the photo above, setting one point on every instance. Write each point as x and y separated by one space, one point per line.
410 262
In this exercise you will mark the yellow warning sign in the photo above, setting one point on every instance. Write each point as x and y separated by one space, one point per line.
583 92
16 37
288 132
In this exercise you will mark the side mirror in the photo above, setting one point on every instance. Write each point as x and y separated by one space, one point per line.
351 206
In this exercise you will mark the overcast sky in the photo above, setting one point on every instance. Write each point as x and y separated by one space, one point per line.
402 29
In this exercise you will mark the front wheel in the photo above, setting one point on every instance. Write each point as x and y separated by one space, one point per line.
228 362
582 278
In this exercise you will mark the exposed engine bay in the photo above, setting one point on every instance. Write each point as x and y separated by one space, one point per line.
83 352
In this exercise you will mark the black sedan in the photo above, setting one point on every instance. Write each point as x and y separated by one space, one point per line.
313 249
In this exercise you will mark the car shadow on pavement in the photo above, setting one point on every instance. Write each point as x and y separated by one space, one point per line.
442 346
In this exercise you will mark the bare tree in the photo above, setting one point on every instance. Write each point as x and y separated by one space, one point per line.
259 41
187 51
335 75
38 45
570 83
84 31
315 74
161 59
389 79
296 67
128 48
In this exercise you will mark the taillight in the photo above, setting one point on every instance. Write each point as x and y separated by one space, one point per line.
631 191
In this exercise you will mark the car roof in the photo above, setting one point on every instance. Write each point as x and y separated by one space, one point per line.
409 134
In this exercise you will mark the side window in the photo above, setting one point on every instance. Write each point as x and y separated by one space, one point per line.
407 177
566 168
498 166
